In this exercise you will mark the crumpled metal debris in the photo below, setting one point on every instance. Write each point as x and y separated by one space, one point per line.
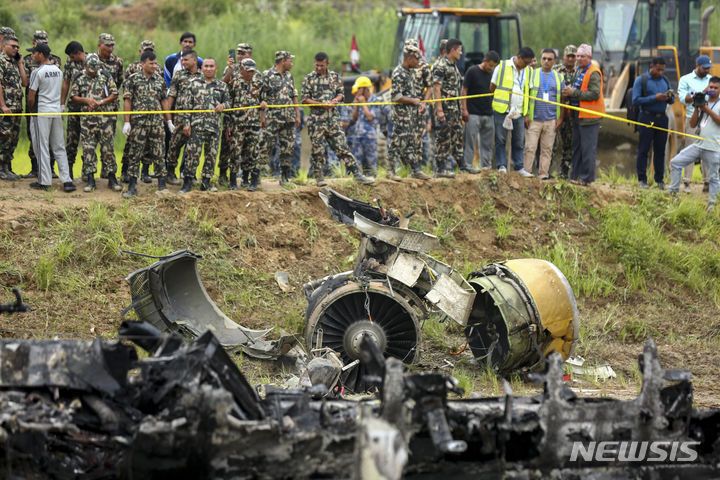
186 411
170 295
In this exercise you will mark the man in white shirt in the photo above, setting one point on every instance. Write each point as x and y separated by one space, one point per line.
47 130
707 117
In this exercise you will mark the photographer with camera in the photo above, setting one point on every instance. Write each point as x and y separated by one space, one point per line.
12 81
652 93
706 116
695 81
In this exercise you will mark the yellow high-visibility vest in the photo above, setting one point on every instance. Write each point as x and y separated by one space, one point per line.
535 88
503 89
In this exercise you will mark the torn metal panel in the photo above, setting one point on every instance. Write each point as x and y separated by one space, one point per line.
170 295
402 238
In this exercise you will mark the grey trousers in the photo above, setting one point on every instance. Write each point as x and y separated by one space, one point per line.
47 133
480 130
584 150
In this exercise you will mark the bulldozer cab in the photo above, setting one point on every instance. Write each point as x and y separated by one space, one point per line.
479 29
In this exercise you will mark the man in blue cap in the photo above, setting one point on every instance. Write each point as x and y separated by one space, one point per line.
694 82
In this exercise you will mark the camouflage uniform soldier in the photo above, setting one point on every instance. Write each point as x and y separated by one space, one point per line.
325 87
74 67
204 128
184 86
96 91
277 87
6 31
145 91
40 36
406 91
136 67
562 148
243 51
12 81
246 134
447 83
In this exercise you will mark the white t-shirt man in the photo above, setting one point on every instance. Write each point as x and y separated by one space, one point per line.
47 81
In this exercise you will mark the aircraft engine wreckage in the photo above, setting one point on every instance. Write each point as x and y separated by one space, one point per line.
514 313
81 410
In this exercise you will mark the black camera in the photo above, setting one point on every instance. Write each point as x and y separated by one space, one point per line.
17 56
231 53
699 99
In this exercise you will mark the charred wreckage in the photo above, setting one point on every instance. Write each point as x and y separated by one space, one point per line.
80 409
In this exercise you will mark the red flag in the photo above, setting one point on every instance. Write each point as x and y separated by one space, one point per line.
420 45
426 4
354 54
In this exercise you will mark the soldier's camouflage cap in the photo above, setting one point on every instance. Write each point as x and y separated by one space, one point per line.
570 50
282 55
413 42
106 39
147 45
411 48
40 36
6 31
443 44
92 62
244 47
248 64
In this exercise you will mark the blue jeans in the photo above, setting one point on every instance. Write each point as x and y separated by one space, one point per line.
518 141
688 156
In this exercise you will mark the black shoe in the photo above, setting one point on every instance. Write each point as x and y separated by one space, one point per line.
39 186
222 178
232 183
162 184
132 188
4 173
254 182
124 178
69 187
245 179
172 179
145 175
187 185
90 183
284 176
113 183
471 170
205 185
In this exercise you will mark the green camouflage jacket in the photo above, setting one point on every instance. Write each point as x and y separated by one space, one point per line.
243 94
136 67
322 88
448 76
145 94
114 66
184 88
404 84
72 70
278 89
99 87
11 82
210 96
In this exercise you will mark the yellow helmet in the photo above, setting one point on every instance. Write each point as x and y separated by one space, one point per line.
361 82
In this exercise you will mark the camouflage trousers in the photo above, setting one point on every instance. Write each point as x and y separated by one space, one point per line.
225 148
449 141
284 135
72 138
319 133
405 145
145 141
246 144
10 133
562 150
199 139
177 141
365 151
93 133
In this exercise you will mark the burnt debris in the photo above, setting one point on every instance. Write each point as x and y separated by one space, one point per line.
77 409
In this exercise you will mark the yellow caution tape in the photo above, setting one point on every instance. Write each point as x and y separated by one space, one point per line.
293 105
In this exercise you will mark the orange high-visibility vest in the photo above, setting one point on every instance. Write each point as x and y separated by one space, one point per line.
597 105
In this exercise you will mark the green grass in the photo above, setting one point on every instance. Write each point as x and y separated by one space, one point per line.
503 226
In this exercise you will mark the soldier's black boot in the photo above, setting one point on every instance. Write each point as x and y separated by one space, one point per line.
132 188
245 179
205 185
187 185
90 183
162 184
284 175
254 181
145 176
70 170
359 177
124 178
232 183
222 178
3 172
171 178
113 183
